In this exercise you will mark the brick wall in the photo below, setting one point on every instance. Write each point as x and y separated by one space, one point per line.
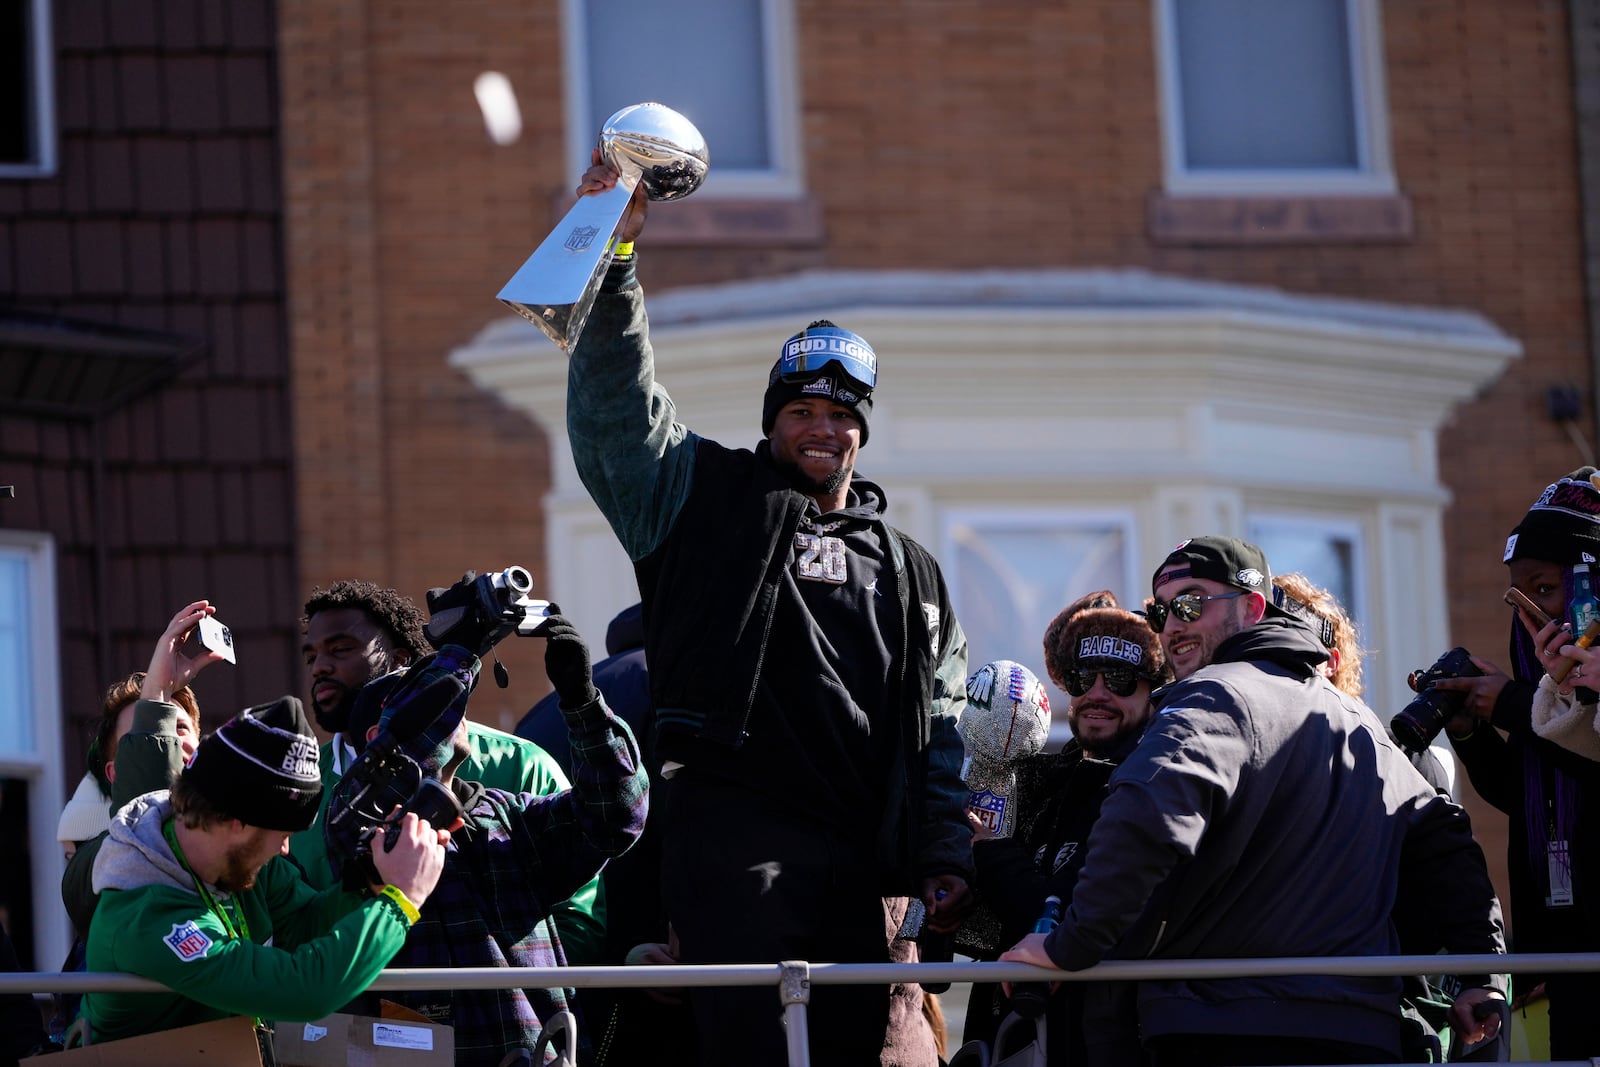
164 216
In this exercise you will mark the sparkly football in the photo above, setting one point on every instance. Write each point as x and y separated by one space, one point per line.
1007 719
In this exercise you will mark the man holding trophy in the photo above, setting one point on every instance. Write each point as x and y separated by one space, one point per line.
805 663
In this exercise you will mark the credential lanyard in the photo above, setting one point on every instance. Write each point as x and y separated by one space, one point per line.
240 933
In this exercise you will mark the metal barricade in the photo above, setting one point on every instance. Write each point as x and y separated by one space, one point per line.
794 978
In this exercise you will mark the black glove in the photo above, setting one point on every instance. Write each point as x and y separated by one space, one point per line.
453 616
566 662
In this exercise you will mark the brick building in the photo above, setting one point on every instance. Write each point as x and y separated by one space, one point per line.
1129 281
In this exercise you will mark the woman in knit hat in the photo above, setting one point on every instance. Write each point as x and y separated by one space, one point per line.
1551 795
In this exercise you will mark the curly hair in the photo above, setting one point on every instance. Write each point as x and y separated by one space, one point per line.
103 747
1346 642
396 614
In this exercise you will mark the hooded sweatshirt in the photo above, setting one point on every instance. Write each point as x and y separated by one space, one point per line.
278 951
1280 820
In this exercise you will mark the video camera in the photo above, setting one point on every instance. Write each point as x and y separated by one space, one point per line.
481 610
372 798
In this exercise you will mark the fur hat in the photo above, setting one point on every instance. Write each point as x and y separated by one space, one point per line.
830 381
1562 525
1096 629
261 767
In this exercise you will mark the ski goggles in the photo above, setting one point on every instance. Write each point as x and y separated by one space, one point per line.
1186 606
812 349
1122 681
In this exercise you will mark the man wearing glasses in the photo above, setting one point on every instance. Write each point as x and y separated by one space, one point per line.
1271 817
805 664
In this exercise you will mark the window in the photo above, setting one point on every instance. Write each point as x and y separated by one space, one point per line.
27 90
1328 551
1267 97
1011 572
725 64
30 749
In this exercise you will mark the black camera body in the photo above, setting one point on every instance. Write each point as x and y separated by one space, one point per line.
382 786
483 610
1419 722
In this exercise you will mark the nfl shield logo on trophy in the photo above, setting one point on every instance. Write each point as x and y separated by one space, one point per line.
581 238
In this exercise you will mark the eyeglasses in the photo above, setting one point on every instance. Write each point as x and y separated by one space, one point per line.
1120 680
1186 606
808 352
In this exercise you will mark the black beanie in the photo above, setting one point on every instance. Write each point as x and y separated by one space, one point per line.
830 382
261 767
1562 525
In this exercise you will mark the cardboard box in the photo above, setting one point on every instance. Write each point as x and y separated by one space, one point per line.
357 1040
221 1043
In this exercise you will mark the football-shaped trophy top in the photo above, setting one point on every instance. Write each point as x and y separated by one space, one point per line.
663 146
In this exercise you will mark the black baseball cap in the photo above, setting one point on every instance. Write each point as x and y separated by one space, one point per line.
1222 559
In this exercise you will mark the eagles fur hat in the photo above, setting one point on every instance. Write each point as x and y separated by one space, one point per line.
261 767
1563 524
830 382
1096 629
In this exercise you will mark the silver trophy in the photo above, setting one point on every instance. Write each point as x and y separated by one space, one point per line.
648 143
1007 720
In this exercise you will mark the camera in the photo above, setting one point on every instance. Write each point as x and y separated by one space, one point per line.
1419 722
482 610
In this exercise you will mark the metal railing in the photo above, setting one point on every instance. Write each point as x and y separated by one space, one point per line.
794 978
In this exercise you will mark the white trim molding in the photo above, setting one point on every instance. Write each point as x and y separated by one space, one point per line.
1191 405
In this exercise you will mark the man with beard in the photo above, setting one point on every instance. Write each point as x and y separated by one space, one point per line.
1107 660
1276 819
806 669
197 895
356 631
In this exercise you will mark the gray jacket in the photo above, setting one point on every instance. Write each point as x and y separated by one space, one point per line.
1270 816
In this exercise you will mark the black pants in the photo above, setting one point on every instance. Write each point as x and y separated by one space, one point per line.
1226 1050
748 882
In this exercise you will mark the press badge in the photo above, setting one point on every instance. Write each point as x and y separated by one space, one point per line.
1560 864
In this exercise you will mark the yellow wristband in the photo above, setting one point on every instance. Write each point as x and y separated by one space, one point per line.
623 250
410 909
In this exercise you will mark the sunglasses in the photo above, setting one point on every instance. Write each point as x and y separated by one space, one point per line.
1186 606
1120 680
808 353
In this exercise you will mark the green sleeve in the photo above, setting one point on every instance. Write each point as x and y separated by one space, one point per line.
149 757
307 848
232 976
632 454
301 912
504 761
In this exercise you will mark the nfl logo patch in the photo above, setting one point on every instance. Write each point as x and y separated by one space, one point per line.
187 941
990 808
580 238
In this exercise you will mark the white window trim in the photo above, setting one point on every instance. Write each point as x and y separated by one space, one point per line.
42 770
1376 177
786 178
44 99
1340 525
1015 518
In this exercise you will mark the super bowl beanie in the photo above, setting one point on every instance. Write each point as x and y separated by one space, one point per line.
829 383
261 767
1562 525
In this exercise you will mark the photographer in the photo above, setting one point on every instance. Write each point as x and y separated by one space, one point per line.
517 854
148 731
1551 795
356 631
197 895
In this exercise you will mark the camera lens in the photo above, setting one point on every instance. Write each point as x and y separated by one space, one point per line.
519 580
227 637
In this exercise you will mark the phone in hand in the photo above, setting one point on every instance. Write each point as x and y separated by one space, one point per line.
1519 600
210 634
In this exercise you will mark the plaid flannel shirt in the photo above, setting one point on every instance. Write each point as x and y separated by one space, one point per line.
518 855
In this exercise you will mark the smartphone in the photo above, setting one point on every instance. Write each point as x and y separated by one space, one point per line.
209 633
1517 599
